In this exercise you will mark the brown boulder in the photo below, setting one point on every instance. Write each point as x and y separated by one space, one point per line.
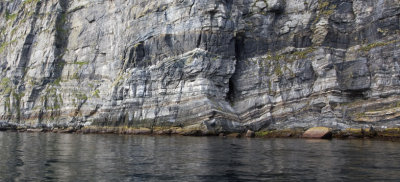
250 134
234 135
35 130
318 132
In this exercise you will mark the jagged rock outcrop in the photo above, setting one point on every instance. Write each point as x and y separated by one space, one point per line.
212 65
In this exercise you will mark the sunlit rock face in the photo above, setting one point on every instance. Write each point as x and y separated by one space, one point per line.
217 65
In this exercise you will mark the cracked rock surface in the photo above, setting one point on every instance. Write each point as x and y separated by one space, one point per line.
214 65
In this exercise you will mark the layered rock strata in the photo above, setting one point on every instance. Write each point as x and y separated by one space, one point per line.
208 65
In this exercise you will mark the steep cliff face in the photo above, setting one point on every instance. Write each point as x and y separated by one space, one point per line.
214 65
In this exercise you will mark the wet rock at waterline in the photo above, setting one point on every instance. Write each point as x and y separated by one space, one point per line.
318 132
250 134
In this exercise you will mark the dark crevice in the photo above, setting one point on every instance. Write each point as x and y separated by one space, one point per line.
2 6
231 93
61 41
302 41
168 40
136 56
27 46
239 47
278 11
356 94
199 41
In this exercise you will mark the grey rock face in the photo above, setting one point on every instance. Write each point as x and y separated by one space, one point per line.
214 65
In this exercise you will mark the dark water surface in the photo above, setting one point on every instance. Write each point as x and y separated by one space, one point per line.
72 157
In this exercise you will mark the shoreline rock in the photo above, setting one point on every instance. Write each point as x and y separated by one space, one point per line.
318 132
250 134
306 133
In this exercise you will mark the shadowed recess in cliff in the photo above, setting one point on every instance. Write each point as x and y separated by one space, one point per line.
61 40
239 46
135 57
27 46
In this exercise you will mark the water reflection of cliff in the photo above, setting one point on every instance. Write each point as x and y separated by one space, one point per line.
70 157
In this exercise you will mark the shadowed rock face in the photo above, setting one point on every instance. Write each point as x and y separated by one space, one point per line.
213 65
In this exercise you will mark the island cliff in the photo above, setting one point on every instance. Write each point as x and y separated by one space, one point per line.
208 66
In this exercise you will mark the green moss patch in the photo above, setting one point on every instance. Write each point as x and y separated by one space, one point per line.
376 44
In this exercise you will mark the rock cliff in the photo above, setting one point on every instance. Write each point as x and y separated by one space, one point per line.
211 65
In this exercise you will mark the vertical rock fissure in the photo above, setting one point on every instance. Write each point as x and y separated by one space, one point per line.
26 50
61 40
239 43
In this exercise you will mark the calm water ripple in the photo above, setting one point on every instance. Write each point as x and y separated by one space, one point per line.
71 157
